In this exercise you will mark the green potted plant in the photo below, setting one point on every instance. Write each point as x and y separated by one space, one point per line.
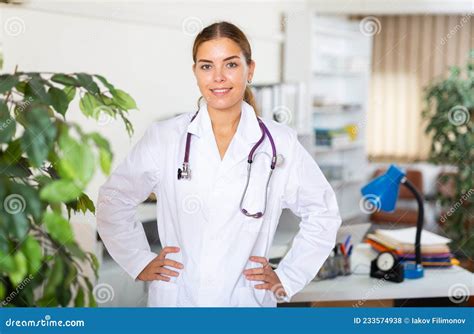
449 115
46 163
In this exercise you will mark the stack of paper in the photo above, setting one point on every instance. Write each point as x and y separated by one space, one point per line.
435 251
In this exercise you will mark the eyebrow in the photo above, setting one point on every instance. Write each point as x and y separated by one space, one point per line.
210 61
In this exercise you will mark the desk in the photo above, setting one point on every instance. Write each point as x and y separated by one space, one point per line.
435 283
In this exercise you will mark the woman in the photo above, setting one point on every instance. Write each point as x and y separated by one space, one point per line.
216 225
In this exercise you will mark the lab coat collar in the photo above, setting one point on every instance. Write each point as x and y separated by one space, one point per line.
248 129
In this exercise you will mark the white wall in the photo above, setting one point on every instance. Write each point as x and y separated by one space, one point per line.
141 48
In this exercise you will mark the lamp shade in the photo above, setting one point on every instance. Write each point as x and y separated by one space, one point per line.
382 192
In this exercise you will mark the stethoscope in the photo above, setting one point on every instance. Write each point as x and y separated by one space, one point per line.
185 172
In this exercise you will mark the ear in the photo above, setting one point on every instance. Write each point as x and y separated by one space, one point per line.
251 70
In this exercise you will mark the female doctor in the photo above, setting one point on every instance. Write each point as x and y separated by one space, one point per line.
222 177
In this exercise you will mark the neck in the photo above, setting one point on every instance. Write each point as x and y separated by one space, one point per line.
225 121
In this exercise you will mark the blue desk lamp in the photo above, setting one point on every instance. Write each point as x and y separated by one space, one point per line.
382 193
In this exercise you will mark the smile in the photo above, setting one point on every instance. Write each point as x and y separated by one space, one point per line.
220 91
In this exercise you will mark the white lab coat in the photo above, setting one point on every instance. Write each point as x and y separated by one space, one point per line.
202 216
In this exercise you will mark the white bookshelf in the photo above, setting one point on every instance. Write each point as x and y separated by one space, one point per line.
332 57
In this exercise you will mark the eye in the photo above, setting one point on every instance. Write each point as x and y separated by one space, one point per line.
232 65
205 67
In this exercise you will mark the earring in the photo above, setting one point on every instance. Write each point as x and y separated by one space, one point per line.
249 81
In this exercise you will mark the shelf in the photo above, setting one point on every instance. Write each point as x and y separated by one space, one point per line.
338 183
324 149
339 73
339 33
336 109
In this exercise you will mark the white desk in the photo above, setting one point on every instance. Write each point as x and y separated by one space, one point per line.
435 283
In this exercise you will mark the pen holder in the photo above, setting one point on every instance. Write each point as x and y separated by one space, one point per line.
344 265
328 270
335 265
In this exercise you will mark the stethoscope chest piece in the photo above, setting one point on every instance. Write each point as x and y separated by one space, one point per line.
185 172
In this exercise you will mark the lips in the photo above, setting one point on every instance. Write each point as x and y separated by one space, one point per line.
220 91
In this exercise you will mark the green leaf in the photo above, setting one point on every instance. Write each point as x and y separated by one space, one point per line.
35 88
59 100
65 80
105 160
70 92
55 276
7 263
88 83
123 100
7 123
89 104
32 249
21 87
7 82
13 151
95 264
76 251
21 269
58 227
60 191
79 300
48 300
31 199
2 291
109 86
85 204
100 141
39 135
76 160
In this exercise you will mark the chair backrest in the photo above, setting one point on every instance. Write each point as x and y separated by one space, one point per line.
415 177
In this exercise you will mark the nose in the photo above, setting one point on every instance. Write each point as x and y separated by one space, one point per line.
218 74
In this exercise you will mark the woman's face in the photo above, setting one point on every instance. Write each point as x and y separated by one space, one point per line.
222 72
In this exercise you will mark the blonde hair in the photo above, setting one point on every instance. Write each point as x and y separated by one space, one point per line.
227 30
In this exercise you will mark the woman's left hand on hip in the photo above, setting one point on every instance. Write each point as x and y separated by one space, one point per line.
265 274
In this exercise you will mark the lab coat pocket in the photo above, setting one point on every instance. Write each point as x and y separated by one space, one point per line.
251 297
162 294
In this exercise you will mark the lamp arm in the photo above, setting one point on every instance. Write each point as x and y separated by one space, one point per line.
421 213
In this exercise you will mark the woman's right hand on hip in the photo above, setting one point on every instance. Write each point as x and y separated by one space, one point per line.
155 270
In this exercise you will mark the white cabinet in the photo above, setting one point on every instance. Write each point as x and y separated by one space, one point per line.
331 56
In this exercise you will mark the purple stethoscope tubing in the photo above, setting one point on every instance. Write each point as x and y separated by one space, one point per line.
186 172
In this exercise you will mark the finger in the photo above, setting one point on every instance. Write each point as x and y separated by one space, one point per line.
158 277
168 250
256 277
172 263
259 259
264 286
167 272
253 271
